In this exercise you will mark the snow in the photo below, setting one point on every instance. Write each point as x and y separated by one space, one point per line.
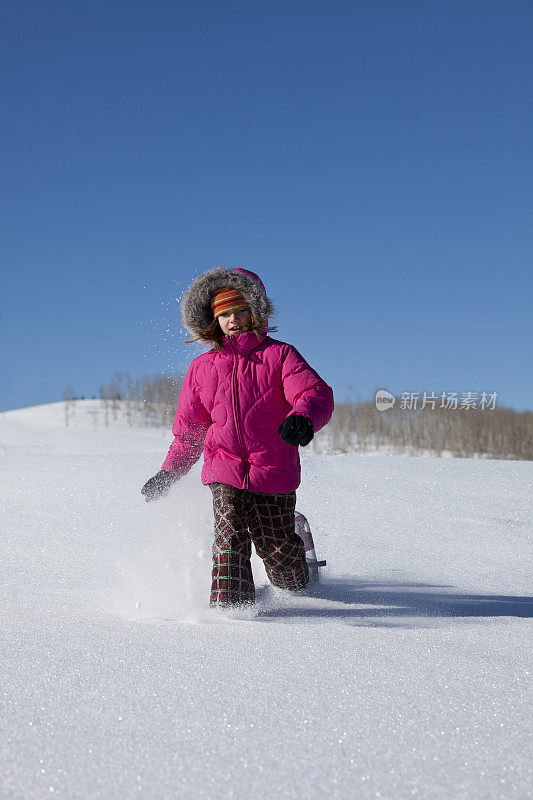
404 674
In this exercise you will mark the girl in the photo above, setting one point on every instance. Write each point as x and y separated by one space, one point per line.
248 403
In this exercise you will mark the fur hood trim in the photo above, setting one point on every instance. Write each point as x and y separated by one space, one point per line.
196 304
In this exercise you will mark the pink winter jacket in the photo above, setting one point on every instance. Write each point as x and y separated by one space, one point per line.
231 405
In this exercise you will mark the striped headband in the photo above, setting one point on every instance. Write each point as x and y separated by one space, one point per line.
227 300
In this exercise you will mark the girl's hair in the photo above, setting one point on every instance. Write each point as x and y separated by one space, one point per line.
214 335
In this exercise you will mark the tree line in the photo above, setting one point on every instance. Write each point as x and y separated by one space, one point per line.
149 401
459 432
354 427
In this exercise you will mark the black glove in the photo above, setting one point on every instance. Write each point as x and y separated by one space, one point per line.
159 485
296 430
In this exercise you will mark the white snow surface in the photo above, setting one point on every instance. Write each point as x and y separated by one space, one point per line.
404 674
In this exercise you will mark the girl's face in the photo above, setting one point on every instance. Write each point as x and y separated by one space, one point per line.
235 321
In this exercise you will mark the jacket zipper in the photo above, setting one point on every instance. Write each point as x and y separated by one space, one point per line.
236 415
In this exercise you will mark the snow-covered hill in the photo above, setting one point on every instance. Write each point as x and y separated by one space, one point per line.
402 675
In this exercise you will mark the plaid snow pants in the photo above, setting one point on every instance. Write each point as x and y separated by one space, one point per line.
267 520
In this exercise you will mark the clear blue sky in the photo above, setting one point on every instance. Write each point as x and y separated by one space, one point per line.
371 160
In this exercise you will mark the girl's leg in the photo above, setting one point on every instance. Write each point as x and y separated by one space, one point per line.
232 582
271 523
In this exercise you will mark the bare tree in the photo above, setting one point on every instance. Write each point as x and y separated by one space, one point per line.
69 397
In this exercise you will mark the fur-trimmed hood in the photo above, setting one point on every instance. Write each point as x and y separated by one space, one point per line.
196 304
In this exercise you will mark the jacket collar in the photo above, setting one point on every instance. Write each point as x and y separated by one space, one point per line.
242 344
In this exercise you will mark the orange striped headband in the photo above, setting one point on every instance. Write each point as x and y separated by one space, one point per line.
227 300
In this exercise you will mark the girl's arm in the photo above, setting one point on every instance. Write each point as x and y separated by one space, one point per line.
191 424
305 390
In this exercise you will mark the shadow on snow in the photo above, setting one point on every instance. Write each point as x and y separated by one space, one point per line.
390 599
